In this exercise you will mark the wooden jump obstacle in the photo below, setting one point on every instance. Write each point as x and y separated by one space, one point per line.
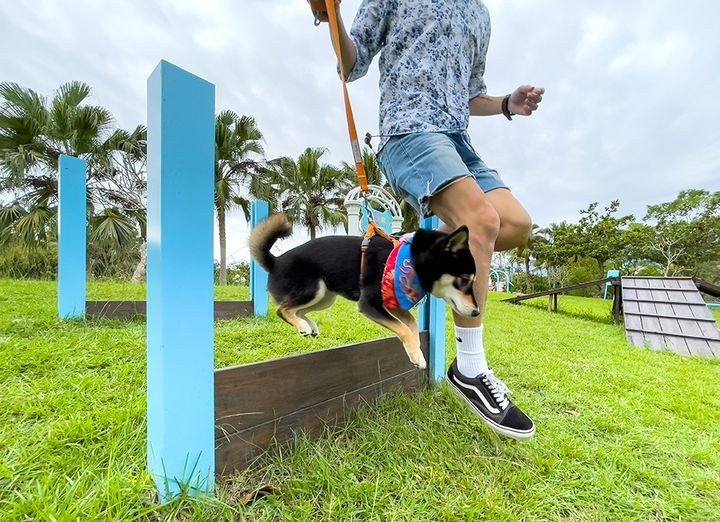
203 421
668 313
553 295
72 258
662 313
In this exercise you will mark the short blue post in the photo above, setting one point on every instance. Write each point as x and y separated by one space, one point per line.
258 277
72 237
432 319
180 329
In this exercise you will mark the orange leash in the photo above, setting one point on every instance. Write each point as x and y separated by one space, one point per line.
371 231
357 155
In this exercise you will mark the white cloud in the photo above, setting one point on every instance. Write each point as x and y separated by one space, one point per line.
629 113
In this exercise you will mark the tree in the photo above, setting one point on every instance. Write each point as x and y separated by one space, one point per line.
686 233
238 155
528 251
559 244
34 132
599 234
310 193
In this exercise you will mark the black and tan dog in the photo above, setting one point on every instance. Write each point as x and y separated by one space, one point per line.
310 276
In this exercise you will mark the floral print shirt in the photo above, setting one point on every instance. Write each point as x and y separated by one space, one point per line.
432 61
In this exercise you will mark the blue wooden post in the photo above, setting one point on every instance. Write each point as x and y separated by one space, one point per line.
72 237
258 276
432 318
180 329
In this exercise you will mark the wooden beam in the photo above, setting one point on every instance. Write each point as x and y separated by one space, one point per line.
260 404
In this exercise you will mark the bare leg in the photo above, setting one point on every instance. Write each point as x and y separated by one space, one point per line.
464 203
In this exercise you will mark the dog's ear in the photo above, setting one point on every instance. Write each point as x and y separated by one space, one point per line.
458 240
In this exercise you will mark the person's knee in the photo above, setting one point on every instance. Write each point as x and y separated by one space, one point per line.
484 225
515 230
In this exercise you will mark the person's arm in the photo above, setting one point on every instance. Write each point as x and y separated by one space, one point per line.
524 101
484 105
368 37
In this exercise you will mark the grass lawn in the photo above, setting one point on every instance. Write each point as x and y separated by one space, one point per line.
622 433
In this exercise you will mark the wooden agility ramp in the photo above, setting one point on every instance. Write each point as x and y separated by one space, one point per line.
668 313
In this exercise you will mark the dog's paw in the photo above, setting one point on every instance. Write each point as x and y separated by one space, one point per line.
417 358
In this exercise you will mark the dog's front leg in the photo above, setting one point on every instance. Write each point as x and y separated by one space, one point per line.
409 321
407 333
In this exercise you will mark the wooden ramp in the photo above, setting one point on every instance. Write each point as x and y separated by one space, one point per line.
668 313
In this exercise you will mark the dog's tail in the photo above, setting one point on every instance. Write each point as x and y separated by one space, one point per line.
263 237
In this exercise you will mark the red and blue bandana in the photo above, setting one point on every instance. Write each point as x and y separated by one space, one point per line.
400 283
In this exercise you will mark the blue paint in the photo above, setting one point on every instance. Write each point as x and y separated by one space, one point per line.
180 330
382 219
610 273
258 277
72 237
432 318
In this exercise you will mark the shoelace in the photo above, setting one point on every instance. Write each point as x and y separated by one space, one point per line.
499 389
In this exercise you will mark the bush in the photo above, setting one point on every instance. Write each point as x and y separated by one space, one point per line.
21 263
524 285
581 271
112 262
237 273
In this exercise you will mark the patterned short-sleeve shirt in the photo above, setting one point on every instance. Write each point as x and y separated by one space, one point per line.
432 60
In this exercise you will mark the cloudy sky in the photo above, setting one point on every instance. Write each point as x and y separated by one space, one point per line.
630 112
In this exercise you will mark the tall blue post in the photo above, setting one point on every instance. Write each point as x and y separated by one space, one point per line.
180 329
432 319
258 276
72 237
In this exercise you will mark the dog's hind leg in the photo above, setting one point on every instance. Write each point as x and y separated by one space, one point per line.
326 302
293 311
407 333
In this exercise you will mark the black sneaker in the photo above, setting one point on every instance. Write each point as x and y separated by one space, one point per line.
487 396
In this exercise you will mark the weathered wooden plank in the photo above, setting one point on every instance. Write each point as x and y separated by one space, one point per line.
129 309
714 347
631 307
651 324
564 289
236 451
233 309
115 309
676 343
629 294
670 315
667 301
255 393
687 284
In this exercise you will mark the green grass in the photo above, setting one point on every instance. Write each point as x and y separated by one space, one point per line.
622 433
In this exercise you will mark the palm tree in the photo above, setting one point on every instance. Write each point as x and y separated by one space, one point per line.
34 132
308 192
238 155
529 251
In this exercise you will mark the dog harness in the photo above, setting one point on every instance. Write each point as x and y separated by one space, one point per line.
400 283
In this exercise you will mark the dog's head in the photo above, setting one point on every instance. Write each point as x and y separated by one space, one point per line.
446 268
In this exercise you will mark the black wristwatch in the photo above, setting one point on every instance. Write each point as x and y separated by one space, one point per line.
506 109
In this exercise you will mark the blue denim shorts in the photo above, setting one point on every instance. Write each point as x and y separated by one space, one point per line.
421 164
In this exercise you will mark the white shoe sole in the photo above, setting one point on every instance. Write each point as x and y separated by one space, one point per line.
497 428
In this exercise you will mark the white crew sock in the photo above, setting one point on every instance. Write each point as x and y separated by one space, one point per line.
471 360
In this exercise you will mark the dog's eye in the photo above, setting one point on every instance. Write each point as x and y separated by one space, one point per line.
464 281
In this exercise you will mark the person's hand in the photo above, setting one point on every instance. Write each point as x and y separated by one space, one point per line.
525 100
318 9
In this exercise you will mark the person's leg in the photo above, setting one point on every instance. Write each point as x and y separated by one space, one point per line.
515 222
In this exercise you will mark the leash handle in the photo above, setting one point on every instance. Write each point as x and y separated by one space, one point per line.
352 131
